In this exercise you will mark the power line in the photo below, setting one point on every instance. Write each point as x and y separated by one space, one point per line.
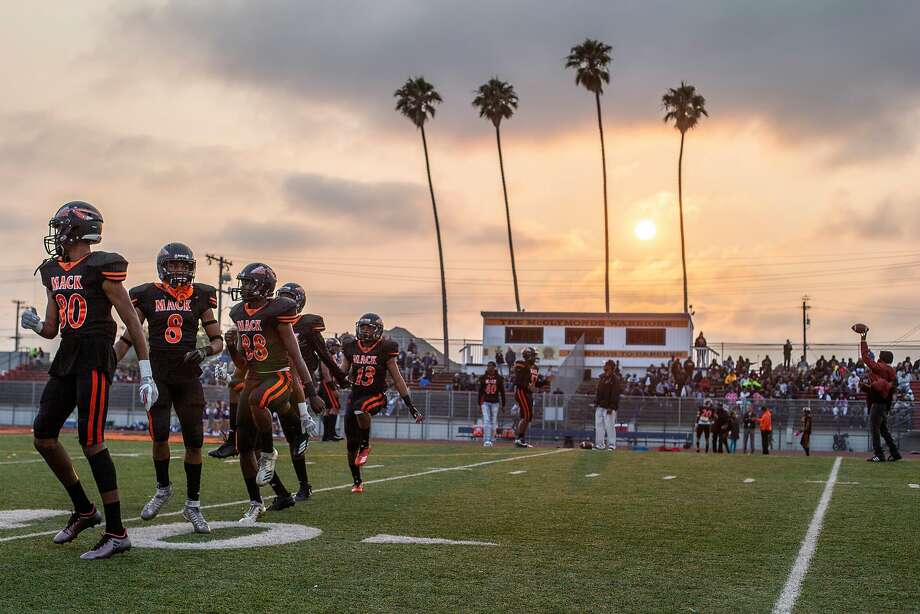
223 275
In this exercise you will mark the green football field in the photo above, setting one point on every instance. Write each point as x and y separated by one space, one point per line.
571 530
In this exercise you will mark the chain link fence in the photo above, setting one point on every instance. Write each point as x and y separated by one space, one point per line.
454 415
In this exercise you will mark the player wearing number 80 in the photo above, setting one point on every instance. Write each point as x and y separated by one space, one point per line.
173 309
82 288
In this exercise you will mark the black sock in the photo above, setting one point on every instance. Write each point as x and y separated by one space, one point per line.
113 518
329 426
231 436
300 468
81 504
253 489
278 486
193 481
355 472
266 442
366 438
162 469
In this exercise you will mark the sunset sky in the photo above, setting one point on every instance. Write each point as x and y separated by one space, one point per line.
266 131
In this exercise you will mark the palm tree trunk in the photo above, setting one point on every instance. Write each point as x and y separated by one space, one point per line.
680 204
600 127
437 229
501 166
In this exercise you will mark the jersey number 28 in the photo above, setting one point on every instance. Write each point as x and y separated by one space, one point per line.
255 348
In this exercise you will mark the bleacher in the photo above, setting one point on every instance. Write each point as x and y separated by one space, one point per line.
915 422
34 372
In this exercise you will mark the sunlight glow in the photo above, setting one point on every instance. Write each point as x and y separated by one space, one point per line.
645 230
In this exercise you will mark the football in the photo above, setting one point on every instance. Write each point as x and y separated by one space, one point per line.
861 329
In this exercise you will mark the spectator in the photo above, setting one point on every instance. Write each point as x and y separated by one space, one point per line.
412 348
510 358
787 354
806 431
499 360
702 349
766 429
733 432
607 402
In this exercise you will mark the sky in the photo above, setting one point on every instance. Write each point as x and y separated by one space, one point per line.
266 131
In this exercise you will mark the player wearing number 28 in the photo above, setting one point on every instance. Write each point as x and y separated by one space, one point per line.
173 309
82 287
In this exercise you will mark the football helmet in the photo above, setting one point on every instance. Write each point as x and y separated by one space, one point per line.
529 355
333 345
256 280
369 327
73 222
176 265
295 292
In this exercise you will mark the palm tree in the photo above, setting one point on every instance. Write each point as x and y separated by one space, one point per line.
590 61
684 107
496 101
416 100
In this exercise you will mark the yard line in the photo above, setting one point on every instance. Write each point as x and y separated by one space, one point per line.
790 594
669 477
749 480
516 472
330 488
591 475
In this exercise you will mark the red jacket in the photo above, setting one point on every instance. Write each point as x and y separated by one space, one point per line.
882 377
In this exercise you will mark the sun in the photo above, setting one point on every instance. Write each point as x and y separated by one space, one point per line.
645 230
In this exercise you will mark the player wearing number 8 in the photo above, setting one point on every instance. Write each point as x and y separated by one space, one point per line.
173 309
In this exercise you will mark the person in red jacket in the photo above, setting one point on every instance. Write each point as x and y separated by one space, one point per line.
880 391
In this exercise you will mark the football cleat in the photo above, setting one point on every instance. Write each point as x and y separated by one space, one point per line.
358 487
487 444
266 467
253 513
281 503
226 450
894 457
304 493
361 456
156 503
876 459
108 546
518 443
76 525
192 513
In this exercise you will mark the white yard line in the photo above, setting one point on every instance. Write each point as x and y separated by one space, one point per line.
591 475
516 472
669 477
786 602
749 480
340 487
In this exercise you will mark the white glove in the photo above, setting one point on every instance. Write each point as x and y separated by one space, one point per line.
30 320
147 390
307 422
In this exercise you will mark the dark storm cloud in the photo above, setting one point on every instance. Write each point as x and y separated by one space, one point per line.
386 204
843 72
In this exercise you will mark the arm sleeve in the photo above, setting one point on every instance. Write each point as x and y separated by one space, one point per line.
482 388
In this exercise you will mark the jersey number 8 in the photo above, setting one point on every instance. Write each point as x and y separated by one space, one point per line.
255 348
173 332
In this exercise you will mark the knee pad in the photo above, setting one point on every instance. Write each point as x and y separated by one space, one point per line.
103 470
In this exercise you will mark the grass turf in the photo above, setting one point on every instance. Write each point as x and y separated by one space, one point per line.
625 540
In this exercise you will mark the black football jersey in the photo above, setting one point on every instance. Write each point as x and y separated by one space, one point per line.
369 364
259 342
491 388
307 328
173 315
76 287
525 376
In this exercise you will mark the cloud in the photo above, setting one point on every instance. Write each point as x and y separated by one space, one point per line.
885 220
382 204
247 234
840 74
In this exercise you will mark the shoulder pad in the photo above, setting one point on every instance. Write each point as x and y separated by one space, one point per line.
389 347
284 309
314 322
235 311
350 347
106 260
137 292
207 293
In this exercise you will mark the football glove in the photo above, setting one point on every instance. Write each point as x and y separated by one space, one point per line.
30 320
413 411
147 390
197 356
307 421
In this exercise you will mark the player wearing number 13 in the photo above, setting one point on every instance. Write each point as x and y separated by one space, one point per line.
173 309
82 288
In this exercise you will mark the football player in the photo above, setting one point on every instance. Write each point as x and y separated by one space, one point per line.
82 287
368 359
266 348
704 419
234 386
330 395
526 380
491 391
173 309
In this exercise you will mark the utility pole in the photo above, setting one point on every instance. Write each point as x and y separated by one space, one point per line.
223 275
806 322
17 335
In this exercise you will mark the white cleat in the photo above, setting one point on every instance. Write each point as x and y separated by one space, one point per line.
156 502
487 444
252 515
266 467
192 513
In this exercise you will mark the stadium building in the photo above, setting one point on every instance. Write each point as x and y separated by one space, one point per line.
636 340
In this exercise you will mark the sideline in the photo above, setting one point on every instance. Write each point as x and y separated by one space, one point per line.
786 602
